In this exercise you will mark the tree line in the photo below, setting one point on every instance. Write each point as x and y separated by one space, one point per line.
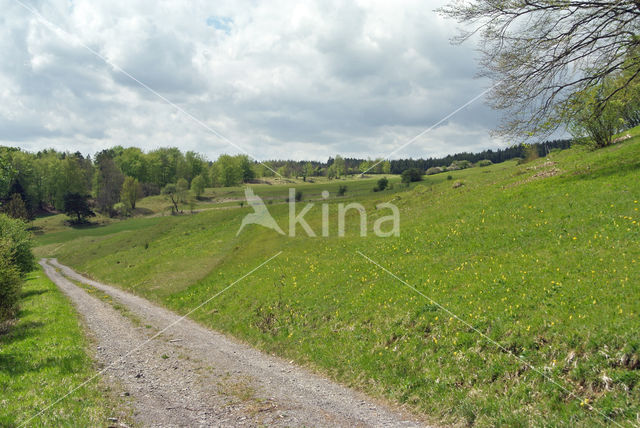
116 178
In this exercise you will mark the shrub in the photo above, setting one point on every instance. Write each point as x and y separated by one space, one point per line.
434 170
342 189
461 164
10 282
411 175
383 183
449 177
16 207
16 260
485 162
122 209
14 234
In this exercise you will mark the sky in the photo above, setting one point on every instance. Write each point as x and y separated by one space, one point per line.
276 80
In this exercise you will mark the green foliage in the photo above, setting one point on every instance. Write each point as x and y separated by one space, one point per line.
121 209
593 123
342 189
16 208
483 163
461 164
434 170
16 237
198 185
131 193
10 282
108 182
77 205
386 167
381 184
227 172
339 166
16 260
530 154
176 193
411 175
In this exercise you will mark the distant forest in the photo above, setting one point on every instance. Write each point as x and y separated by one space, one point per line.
32 182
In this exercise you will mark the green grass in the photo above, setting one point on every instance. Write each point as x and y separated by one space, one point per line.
547 266
44 356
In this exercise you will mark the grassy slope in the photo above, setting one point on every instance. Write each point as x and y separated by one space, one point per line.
42 358
547 267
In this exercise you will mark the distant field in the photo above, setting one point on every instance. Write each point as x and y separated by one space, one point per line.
542 257
44 356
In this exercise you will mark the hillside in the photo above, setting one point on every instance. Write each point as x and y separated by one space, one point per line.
542 258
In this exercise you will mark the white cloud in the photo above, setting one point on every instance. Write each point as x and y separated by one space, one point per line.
280 79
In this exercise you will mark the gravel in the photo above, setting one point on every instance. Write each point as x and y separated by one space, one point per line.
193 376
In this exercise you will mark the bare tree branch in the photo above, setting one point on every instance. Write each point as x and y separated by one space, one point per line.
540 53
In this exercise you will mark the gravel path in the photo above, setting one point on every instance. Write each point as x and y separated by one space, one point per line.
192 376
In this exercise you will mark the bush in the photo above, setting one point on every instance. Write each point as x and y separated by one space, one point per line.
411 175
383 183
462 164
16 260
122 209
485 162
449 177
435 170
10 283
342 189
14 234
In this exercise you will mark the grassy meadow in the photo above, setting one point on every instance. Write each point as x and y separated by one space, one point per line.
44 356
543 258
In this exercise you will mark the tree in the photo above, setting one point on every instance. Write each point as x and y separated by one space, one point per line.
108 185
386 167
198 185
245 166
364 166
339 166
77 205
227 172
410 175
542 53
307 171
16 207
131 192
176 193
596 121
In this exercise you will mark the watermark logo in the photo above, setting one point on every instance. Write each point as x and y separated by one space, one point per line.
383 226
260 215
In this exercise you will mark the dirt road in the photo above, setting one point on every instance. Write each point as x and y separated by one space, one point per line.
192 376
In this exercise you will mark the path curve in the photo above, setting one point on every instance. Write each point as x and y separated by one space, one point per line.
194 376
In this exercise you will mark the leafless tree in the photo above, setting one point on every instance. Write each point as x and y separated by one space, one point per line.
540 54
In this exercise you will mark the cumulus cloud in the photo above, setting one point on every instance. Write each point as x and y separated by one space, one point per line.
279 79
